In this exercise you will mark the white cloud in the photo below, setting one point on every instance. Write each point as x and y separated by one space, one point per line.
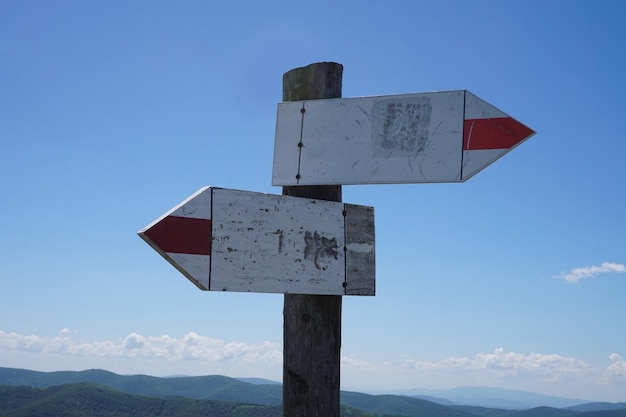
190 347
196 354
410 364
617 369
547 367
577 274
354 363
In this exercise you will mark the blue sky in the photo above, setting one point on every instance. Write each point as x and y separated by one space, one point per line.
113 112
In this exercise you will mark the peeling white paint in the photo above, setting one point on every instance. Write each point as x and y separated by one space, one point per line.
360 247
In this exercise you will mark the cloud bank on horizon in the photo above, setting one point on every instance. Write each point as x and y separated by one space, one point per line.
203 350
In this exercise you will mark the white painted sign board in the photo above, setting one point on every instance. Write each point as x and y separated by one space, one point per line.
231 240
444 136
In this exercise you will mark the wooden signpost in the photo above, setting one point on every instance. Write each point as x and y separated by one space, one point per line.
312 323
306 243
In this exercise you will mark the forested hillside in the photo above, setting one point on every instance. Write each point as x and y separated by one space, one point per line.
90 400
213 387
96 393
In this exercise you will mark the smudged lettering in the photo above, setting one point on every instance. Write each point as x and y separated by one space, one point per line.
318 248
401 126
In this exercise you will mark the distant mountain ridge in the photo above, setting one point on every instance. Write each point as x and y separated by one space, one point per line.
493 397
221 388
258 381
214 387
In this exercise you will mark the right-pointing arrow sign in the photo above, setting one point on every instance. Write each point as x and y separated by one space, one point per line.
412 138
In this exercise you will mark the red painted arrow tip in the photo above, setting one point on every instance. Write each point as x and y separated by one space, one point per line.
493 133
187 235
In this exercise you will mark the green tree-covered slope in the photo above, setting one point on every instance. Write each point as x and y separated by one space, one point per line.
91 400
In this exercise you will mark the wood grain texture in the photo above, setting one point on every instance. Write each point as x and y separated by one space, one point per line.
312 323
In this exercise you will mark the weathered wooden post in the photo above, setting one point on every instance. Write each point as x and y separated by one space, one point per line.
312 323
447 137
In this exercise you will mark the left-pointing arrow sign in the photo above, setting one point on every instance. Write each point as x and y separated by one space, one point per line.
231 240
